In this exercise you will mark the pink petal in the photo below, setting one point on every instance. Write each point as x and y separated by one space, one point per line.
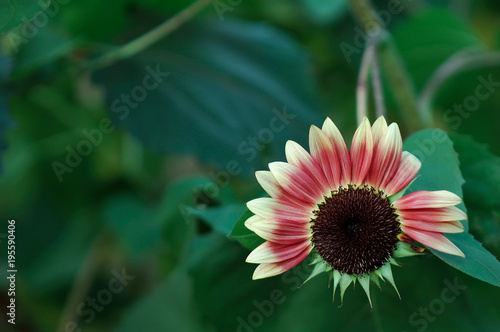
270 208
386 157
273 188
440 227
296 155
296 182
361 152
270 252
278 232
336 139
427 199
379 129
271 269
407 170
434 214
277 227
324 153
433 240
269 183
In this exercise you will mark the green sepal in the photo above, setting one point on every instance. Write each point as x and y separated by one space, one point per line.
386 272
345 281
320 267
404 250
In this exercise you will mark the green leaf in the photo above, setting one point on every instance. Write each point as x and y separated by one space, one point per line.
169 307
438 30
221 218
243 235
481 169
440 171
248 91
325 11
15 12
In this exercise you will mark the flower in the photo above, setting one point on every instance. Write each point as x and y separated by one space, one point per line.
347 208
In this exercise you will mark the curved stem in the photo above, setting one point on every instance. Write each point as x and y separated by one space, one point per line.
392 64
456 64
140 43
378 93
362 87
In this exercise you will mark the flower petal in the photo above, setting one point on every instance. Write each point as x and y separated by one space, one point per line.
270 252
270 208
325 155
361 152
279 232
277 226
272 187
333 133
427 199
269 183
272 269
407 170
386 157
433 240
451 213
379 129
441 227
296 182
296 155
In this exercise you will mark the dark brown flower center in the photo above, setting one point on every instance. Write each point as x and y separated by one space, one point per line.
355 230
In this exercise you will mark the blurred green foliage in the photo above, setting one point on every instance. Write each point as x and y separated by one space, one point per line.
154 188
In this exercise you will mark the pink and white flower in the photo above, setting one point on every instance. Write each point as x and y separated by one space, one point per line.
345 206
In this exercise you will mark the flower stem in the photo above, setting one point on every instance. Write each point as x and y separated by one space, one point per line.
362 87
378 93
392 65
140 43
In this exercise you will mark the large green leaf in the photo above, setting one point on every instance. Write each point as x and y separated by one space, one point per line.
224 92
440 171
15 12
481 170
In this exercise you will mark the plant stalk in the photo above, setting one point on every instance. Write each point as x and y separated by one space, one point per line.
149 38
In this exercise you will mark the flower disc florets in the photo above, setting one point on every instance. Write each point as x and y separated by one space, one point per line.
355 230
